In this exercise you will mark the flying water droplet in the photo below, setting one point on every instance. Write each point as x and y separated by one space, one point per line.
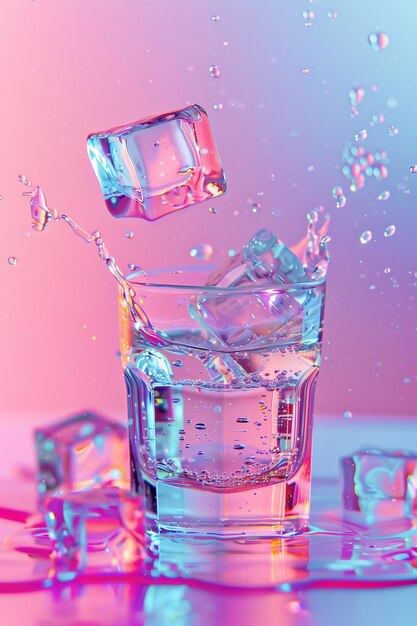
389 231
218 107
341 202
366 236
393 131
256 207
378 41
305 71
215 18
232 252
23 179
347 415
214 71
361 135
385 195
203 251
356 95
337 192
130 234
413 169
12 260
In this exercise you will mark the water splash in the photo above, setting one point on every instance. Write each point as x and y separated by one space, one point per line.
42 214
313 249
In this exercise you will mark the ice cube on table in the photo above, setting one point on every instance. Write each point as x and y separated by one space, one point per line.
105 527
157 165
81 452
380 483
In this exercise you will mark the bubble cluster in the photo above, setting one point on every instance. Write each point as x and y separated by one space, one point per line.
360 163
203 251
378 41
214 71
23 179
332 15
365 237
218 107
356 95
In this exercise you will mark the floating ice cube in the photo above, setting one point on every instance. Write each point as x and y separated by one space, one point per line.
157 165
107 521
79 453
380 483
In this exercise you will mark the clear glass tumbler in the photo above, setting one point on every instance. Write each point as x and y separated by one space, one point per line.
221 411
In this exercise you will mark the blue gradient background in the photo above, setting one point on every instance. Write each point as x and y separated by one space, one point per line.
73 67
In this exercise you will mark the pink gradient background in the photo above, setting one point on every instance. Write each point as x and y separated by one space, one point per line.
71 67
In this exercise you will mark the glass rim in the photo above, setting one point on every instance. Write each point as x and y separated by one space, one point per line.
256 288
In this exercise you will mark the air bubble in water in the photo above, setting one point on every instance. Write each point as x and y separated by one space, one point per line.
12 260
365 237
378 41
389 231
212 209
332 15
23 179
218 107
214 71
242 420
203 251
305 71
178 363
413 169
385 195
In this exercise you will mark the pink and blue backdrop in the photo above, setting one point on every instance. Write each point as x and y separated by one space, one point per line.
75 66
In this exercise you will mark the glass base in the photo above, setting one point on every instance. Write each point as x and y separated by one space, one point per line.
265 511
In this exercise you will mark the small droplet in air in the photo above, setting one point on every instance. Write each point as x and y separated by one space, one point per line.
341 202
378 41
305 71
212 209
215 18
385 195
23 179
393 131
256 207
214 71
392 103
413 169
12 260
347 415
361 135
203 251
218 106
365 237
200 426
156 144
332 15
389 231
129 234
387 270
337 192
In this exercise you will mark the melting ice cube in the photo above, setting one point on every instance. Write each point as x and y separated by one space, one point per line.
79 453
265 310
380 483
157 165
107 521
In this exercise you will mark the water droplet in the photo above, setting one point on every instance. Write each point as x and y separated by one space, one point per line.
361 135
347 415
218 107
129 234
242 420
203 251
389 231
385 195
305 71
232 252
337 192
214 71
392 103
239 446
378 41
393 131
387 270
217 408
366 236
12 260
23 179
215 18
178 363
212 209
256 207
341 202
413 169
406 380
200 426
356 95
332 15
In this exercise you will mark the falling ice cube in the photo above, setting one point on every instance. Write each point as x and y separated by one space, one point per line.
79 453
380 483
157 165
104 527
